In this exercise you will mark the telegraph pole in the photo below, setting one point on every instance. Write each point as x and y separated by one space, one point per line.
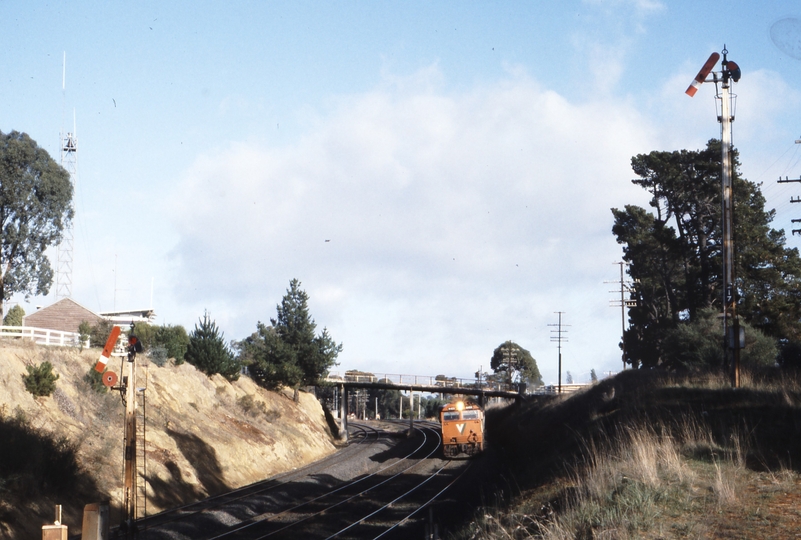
510 354
793 200
623 303
558 338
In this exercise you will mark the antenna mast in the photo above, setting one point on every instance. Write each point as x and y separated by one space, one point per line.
69 161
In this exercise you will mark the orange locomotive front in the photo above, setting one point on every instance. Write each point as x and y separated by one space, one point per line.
462 429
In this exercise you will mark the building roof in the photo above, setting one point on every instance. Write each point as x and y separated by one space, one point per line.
64 315
129 316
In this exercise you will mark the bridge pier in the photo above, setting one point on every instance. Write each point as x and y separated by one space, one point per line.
411 411
343 413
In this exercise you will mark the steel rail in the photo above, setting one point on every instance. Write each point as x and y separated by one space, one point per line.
266 518
257 488
426 504
368 516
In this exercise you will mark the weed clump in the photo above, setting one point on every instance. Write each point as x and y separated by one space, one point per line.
253 408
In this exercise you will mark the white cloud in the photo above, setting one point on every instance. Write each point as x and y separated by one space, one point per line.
426 227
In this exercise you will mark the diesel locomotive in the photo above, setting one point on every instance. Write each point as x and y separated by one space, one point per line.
462 429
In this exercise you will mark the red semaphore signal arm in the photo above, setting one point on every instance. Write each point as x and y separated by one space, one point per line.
106 354
701 77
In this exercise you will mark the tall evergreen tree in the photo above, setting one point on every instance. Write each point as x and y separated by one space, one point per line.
208 351
675 253
35 205
288 352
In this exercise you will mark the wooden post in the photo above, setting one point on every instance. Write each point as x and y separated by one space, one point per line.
95 522
129 477
56 531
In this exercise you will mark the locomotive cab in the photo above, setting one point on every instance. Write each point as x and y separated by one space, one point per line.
462 429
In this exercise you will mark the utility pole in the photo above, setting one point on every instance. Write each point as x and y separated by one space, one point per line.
511 356
558 338
796 199
623 303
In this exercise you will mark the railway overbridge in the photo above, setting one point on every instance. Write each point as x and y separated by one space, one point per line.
418 383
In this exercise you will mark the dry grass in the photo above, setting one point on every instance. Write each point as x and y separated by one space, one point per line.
678 457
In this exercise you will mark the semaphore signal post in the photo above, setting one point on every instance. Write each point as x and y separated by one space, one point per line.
733 338
128 391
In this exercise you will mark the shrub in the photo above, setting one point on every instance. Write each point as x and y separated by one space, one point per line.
146 334
790 356
95 381
158 355
40 380
175 340
85 332
253 408
99 333
14 316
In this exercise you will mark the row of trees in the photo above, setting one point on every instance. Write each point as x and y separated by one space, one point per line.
286 353
674 255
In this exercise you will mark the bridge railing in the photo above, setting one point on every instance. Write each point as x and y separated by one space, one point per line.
42 336
402 380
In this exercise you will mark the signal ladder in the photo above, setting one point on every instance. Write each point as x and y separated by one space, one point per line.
140 489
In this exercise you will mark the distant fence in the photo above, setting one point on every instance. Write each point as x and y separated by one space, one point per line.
43 336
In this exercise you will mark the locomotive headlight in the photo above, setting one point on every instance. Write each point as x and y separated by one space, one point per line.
460 405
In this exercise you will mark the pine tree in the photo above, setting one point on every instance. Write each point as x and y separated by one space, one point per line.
288 352
208 351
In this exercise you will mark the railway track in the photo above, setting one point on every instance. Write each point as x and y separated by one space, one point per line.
376 487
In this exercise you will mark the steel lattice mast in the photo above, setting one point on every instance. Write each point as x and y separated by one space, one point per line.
69 161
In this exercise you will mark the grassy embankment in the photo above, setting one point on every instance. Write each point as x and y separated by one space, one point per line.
649 455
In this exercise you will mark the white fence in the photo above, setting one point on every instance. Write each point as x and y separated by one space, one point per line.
42 336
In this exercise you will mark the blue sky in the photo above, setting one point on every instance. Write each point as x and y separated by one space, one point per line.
438 175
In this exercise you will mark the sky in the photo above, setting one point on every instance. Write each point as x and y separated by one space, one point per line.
438 175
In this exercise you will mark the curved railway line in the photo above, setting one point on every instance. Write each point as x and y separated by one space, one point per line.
376 487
